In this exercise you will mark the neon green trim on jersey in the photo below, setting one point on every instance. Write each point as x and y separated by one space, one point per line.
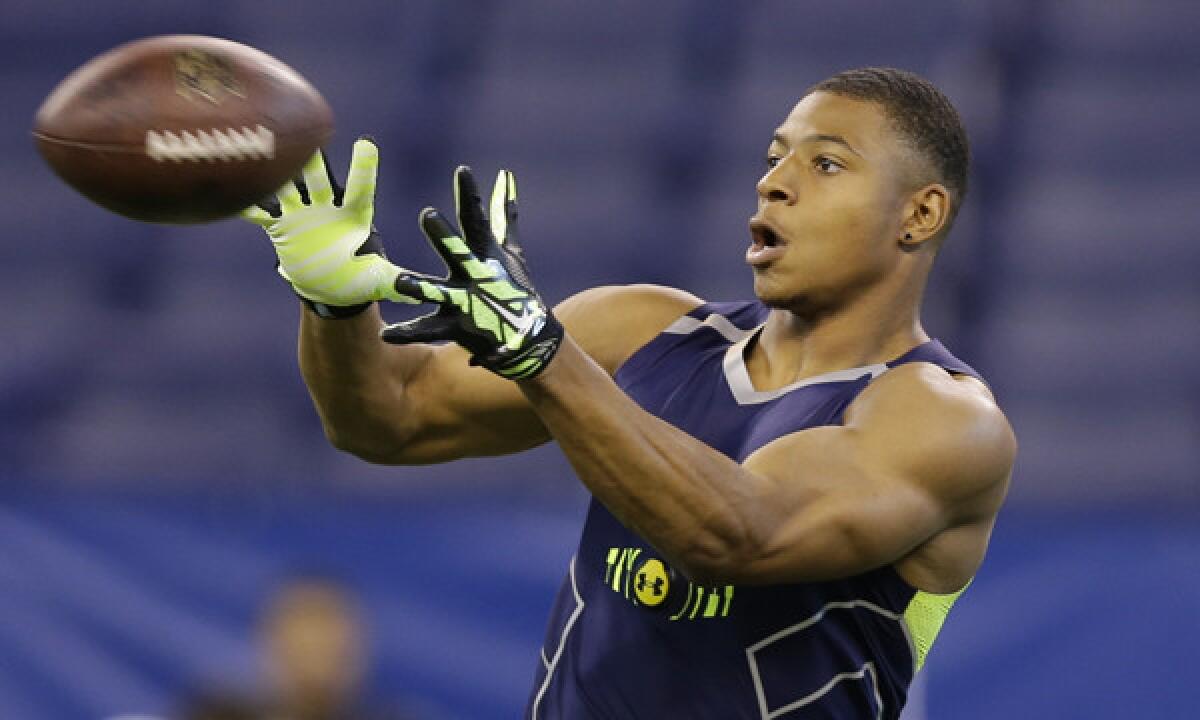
924 617
686 603
616 581
610 562
633 553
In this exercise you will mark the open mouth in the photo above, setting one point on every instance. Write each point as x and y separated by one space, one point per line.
766 244
763 235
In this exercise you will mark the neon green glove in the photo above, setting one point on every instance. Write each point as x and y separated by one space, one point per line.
487 303
328 249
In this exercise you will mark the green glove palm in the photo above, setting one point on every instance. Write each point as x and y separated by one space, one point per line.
487 303
327 247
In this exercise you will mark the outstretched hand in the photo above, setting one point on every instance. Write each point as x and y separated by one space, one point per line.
327 246
486 303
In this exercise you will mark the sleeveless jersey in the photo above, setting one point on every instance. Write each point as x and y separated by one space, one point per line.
631 638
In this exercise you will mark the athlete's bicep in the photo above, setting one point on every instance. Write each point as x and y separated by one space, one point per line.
915 457
613 322
467 411
828 514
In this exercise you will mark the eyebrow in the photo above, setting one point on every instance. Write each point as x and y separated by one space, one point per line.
818 137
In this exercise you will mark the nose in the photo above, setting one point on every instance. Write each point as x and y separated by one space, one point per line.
772 186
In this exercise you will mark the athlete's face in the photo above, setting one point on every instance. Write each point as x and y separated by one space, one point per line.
830 205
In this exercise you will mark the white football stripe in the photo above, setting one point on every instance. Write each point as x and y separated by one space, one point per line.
211 145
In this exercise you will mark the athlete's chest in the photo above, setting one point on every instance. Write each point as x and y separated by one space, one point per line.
699 385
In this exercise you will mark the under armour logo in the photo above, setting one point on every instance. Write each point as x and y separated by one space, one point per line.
655 585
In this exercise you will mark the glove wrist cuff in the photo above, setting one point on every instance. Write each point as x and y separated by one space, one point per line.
531 360
334 312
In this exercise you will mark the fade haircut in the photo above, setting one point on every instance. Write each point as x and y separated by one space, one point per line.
922 116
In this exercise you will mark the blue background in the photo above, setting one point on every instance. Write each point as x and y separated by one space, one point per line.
161 468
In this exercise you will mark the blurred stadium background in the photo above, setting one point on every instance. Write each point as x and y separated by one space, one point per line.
161 467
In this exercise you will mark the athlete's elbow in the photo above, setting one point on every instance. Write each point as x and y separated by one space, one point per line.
352 444
706 571
714 569
752 556
720 557
368 447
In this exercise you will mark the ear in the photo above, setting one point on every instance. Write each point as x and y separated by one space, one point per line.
925 216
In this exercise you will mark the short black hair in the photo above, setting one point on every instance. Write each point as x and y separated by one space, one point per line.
922 115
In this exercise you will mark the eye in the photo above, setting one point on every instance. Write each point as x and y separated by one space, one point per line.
827 166
773 161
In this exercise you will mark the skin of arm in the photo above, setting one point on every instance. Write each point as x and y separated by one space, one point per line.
920 453
418 404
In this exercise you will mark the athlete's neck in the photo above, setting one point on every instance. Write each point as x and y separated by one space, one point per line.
792 347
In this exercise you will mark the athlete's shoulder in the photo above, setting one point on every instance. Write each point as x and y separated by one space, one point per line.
947 427
612 322
931 385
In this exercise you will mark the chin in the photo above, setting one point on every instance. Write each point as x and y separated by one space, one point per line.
797 300
773 296
775 289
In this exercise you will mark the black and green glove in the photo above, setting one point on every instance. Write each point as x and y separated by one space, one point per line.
487 303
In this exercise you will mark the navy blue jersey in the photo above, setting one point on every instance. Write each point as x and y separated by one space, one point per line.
629 637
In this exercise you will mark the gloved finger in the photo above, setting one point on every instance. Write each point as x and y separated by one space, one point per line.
289 195
503 211
416 287
271 205
360 181
426 329
316 179
446 242
258 215
469 207
496 214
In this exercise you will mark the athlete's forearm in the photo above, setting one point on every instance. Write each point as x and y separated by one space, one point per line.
695 505
358 383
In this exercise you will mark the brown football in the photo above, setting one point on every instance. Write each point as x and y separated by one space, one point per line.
181 128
